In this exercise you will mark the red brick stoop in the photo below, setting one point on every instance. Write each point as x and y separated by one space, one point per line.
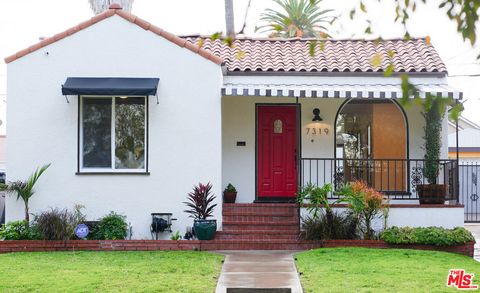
260 222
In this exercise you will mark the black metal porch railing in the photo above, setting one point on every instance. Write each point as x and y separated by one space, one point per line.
397 178
469 189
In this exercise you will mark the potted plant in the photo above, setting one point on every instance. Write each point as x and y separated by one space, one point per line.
200 207
230 194
433 111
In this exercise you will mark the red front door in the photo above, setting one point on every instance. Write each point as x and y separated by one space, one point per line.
276 151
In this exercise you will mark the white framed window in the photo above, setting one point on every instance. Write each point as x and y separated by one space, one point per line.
113 134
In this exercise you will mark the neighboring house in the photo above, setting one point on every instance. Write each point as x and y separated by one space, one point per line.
469 165
145 115
2 176
468 141
463 123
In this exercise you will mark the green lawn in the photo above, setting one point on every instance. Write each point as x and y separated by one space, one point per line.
380 270
156 271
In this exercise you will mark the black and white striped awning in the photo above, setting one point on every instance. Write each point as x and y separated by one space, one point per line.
384 91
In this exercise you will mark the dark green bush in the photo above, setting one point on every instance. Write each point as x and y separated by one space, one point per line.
338 226
57 224
427 236
111 227
19 230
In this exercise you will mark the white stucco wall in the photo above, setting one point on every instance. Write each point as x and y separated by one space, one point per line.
449 218
184 128
238 122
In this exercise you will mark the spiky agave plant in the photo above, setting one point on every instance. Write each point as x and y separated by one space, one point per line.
200 202
24 189
297 18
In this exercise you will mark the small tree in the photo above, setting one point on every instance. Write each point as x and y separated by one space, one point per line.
24 189
433 129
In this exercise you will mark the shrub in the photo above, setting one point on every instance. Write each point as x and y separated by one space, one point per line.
427 236
111 227
19 230
177 236
365 204
57 224
317 198
336 226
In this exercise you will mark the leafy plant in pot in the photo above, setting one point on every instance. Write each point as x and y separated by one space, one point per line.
230 194
433 111
200 207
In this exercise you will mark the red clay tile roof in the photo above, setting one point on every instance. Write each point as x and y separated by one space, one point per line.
293 55
116 9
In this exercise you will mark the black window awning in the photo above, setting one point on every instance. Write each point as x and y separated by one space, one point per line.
110 86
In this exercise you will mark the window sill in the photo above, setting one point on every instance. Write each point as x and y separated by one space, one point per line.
113 173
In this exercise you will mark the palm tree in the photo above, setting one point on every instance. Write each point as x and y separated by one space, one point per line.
24 189
299 18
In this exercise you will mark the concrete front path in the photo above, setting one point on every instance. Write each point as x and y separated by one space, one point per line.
475 229
258 269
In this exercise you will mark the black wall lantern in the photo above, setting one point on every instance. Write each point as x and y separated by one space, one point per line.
316 115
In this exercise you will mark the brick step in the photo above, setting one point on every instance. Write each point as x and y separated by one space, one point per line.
257 235
290 213
259 218
261 209
255 226
266 205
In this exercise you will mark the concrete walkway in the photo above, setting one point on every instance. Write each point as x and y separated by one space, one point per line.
258 269
475 229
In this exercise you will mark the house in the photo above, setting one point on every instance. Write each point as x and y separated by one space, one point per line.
468 152
468 140
463 123
131 117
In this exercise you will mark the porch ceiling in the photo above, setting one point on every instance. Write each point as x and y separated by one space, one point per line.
388 91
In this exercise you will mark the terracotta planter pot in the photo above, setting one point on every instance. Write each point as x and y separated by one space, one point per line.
432 193
229 197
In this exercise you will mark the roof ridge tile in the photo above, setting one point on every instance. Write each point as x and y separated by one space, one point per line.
116 9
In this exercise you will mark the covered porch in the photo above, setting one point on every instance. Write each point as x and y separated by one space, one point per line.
278 137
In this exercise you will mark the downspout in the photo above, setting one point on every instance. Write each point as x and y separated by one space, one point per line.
457 175
299 155
299 145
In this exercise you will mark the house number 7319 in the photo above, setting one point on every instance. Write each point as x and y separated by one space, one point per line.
317 131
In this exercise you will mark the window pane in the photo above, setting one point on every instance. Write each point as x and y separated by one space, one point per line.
97 114
130 133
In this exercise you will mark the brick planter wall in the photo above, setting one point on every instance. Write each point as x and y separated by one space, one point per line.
146 245
466 249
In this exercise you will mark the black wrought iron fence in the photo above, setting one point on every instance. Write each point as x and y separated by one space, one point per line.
398 178
469 173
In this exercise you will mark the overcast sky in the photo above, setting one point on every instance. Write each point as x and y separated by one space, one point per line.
22 22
